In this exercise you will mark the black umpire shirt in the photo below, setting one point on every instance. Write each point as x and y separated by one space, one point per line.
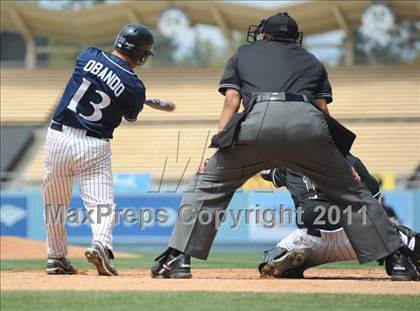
274 66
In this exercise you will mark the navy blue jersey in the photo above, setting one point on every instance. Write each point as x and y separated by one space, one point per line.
102 90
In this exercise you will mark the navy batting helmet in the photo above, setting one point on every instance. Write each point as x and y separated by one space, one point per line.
136 41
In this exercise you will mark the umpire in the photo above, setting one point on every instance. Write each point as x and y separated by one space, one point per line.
285 92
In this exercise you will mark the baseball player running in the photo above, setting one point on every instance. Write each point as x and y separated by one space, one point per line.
317 241
102 90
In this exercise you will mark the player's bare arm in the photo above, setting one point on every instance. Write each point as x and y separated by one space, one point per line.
321 103
230 107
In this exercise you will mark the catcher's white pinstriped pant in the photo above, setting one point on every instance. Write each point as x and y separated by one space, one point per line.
71 154
332 246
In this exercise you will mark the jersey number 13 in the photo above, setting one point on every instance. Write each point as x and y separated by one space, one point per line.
97 113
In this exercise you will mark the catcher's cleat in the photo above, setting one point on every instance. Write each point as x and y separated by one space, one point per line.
171 266
101 256
270 255
60 266
276 253
295 273
289 265
400 267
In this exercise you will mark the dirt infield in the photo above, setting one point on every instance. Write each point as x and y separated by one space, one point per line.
18 248
363 281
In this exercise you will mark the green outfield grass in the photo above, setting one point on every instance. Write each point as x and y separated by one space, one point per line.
144 260
92 301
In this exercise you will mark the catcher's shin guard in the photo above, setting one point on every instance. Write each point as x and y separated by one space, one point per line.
411 240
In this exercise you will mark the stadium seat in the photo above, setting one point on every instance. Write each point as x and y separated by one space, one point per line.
380 103
384 147
359 92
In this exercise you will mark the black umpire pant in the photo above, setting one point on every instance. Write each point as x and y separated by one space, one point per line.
283 134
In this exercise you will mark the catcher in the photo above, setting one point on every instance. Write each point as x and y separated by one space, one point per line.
317 241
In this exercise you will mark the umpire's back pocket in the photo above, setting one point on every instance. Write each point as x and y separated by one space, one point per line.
250 127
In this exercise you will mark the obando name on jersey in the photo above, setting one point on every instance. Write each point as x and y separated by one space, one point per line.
106 75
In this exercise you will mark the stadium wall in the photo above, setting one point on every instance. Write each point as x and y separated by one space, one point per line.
22 215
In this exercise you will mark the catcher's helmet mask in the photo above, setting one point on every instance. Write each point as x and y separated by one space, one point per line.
286 29
135 41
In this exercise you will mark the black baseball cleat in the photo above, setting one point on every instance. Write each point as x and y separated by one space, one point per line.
288 265
267 175
400 267
270 255
295 273
60 266
172 265
411 239
101 256
276 253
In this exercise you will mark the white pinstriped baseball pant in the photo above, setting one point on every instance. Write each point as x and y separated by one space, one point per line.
332 246
71 154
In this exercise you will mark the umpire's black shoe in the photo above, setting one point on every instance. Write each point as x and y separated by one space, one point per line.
267 175
60 266
411 239
289 265
101 256
172 265
400 267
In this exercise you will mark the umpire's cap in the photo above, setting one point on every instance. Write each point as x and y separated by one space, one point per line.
136 41
281 25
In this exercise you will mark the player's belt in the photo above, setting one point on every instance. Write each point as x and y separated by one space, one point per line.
282 96
59 127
